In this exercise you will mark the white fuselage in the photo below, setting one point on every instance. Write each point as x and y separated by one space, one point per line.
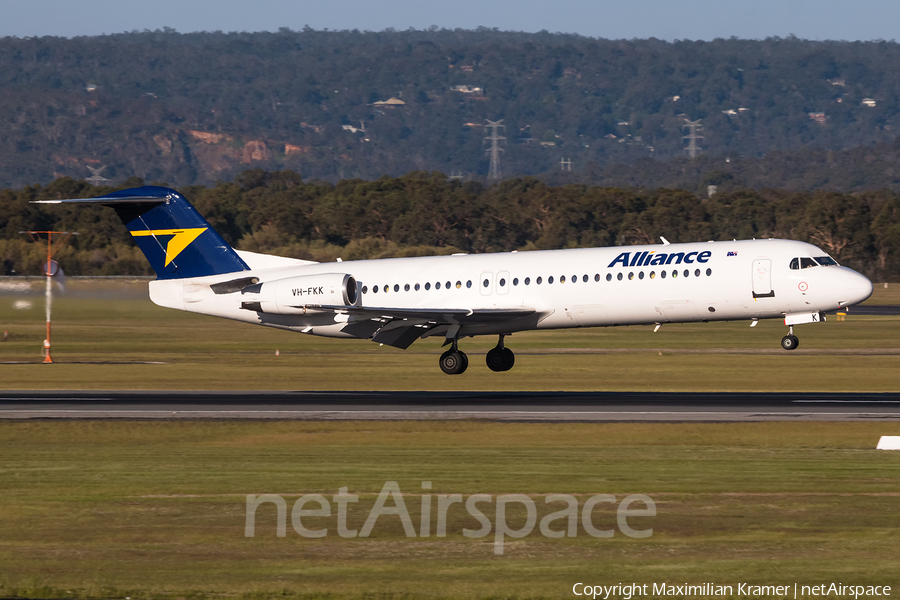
712 281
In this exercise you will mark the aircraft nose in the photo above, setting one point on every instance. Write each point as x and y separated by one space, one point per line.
857 288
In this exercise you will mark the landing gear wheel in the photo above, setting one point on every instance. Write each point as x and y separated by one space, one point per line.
510 358
454 362
495 359
500 359
790 342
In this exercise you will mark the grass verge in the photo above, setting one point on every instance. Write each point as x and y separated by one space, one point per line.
157 509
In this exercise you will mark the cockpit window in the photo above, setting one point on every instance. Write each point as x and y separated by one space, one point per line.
804 262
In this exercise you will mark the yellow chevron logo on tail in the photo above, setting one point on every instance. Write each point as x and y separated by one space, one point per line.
181 239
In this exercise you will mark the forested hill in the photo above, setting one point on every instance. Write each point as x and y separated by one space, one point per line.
424 213
201 107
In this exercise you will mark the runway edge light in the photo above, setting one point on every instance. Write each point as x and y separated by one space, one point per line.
888 442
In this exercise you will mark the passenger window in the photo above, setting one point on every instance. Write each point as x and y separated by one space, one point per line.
708 272
575 278
538 281
795 263
527 280
662 274
386 289
562 279
609 276
365 290
469 283
502 282
630 276
597 277
550 279
641 275
826 261
806 262
515 281
585 278
459 285
652 274
687 273
417 287
674 274
437 285
696 272
396 287
406 288
374 289
448 285
619 277
427 286
486 282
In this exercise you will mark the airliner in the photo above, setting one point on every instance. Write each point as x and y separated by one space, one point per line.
396 301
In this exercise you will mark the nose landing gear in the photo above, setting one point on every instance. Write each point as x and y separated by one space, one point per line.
790 341
500 358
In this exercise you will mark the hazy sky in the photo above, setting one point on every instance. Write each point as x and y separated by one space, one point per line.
664 19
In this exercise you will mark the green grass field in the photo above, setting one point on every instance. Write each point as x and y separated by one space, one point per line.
157 509
124 509
105 333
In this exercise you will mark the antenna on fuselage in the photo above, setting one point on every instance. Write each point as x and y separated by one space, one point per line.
664 241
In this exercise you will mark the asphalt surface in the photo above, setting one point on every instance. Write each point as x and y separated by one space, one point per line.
495 406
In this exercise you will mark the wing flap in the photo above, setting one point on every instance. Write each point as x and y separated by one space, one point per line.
447 316
400 327
399 337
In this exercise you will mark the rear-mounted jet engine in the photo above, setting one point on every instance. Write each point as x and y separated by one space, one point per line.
292 296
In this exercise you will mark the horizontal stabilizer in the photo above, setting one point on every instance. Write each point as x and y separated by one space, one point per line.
141 195
105 200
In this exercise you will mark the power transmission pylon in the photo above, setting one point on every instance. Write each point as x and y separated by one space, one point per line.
495 149
693 149
96 178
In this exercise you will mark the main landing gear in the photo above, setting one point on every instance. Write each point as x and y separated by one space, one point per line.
500 358
790 341
455 362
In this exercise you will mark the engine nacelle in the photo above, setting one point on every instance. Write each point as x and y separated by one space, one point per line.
289 296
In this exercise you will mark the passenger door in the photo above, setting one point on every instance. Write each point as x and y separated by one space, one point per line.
762 278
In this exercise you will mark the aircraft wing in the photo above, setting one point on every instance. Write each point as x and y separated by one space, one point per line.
400 327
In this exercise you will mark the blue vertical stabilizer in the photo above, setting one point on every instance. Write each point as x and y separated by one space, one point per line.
177 241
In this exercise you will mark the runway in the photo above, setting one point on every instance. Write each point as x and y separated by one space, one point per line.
494 406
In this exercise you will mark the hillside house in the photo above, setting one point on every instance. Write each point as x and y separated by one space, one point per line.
389 103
